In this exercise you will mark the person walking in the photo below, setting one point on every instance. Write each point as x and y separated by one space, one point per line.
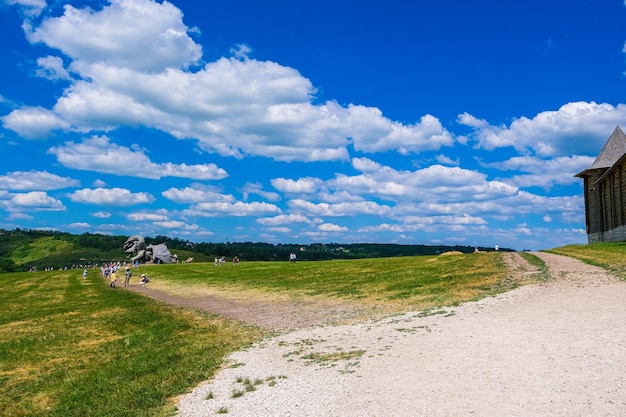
113 278
129 274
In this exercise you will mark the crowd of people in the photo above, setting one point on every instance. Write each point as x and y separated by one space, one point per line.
222 260
110 270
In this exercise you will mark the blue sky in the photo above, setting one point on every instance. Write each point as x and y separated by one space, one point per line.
301 121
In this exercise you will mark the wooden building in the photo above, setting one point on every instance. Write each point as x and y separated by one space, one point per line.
605 192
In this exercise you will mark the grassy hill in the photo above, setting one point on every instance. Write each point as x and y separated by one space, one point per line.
26 250
23 251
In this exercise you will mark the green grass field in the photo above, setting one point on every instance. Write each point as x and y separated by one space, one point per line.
70 347
412 282
74 347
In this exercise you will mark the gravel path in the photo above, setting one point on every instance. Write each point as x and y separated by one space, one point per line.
552 349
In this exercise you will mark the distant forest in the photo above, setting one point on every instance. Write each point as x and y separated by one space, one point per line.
22 249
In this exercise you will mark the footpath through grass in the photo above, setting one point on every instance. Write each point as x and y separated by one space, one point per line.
418 282
611 256
74 347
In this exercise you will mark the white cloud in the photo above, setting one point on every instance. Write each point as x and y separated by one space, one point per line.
130 59
141 34
506 207
35 180
101 155
329 227
195 195
51 67
432 199
160 215
178 226
18 216
101 214
436 182
576 128
338 209
412 224
544 173
110 196
371 132
32 201
33 122
30 8
279 229
241 51
443 159
237 209
257 188
79 225
286 219
302 185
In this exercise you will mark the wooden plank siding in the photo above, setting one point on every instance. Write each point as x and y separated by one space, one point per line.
605 191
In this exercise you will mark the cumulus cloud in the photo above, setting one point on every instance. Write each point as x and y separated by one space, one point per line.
287 219
338 209
443 159
34 122
159 37
301 185
110 196
17 215
374 133
236 209
35 180
329 227
195 195
30 8
101 214
381 190
506 207
177 225
257 188
51 67
449 197
537 172
575 128
32 201
436 182
131 59
101 155
160 215
79 225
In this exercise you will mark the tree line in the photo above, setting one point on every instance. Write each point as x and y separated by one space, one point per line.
65 248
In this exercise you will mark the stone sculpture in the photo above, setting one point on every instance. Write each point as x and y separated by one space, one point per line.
135 247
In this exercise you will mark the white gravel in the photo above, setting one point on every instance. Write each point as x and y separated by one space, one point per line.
553 349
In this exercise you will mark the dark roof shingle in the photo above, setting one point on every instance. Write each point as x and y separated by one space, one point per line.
614 149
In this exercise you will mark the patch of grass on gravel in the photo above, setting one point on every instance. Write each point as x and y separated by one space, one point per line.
611 256
74 347
542 273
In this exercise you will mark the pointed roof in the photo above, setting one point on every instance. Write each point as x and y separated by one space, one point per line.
613 149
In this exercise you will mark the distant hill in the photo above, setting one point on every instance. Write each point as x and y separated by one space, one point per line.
22 250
